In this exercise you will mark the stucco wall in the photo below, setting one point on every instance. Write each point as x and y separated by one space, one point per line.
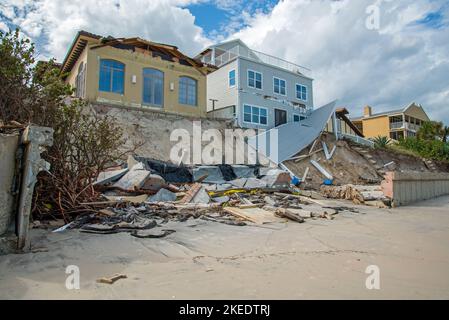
71 78
374 127
134 64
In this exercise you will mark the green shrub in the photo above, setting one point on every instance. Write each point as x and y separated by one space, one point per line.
381 142
430 149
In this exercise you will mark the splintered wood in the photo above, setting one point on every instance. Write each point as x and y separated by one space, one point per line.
347 192
112 279
191 193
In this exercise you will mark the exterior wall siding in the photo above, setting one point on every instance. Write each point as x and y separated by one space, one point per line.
255 97
218 87
376 126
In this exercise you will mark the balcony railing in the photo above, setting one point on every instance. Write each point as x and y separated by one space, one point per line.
397 125
257 56
404 125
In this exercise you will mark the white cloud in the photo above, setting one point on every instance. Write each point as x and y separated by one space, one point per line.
387 68
55 22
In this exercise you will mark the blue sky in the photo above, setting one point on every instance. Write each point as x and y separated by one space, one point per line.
221 18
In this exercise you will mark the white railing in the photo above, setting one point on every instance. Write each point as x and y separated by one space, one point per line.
259 57
404 125
397 125
357 139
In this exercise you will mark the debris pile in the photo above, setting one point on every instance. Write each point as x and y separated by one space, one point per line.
146 195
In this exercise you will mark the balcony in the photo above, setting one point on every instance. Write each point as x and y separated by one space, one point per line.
404 125
239 51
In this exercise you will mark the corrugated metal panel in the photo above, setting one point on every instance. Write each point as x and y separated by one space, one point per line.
282 143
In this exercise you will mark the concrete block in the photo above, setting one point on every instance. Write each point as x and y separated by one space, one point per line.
254 183
239 183
163 195
133 179
277 178
201 196
154 182
213 173
106 177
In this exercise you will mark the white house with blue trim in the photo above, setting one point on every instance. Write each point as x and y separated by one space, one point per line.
256 89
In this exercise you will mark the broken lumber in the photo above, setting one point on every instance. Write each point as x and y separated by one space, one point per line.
191 193
285 213
112 279
255 215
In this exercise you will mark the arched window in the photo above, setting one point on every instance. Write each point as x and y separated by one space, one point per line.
80 81
112 76
187 91
153 87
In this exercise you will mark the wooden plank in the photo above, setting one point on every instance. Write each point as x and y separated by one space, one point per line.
256 215
191 193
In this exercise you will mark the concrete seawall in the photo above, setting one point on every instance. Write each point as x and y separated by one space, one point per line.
408 187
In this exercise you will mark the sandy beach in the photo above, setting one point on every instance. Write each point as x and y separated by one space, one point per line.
319 259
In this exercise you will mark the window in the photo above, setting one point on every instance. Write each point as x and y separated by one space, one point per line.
231 78
254 79
279 86
187 91
301 92
255 115
153 87
112 76
80 81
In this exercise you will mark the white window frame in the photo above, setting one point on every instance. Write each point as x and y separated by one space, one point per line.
296 92
280 79
300 116
261 79
229 78
253 106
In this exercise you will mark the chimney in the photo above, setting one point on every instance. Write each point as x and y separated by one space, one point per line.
367 111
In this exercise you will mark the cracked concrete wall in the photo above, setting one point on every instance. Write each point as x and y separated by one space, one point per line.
33 140
8 147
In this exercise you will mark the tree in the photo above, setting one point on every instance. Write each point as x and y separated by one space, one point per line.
431 130
84 143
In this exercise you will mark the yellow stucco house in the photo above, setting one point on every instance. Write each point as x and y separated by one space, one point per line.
134 72
395 124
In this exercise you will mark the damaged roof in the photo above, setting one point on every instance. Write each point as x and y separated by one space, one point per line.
283 142
165 51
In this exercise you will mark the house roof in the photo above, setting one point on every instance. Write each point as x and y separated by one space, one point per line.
209 48
84 37
388 113
78 45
